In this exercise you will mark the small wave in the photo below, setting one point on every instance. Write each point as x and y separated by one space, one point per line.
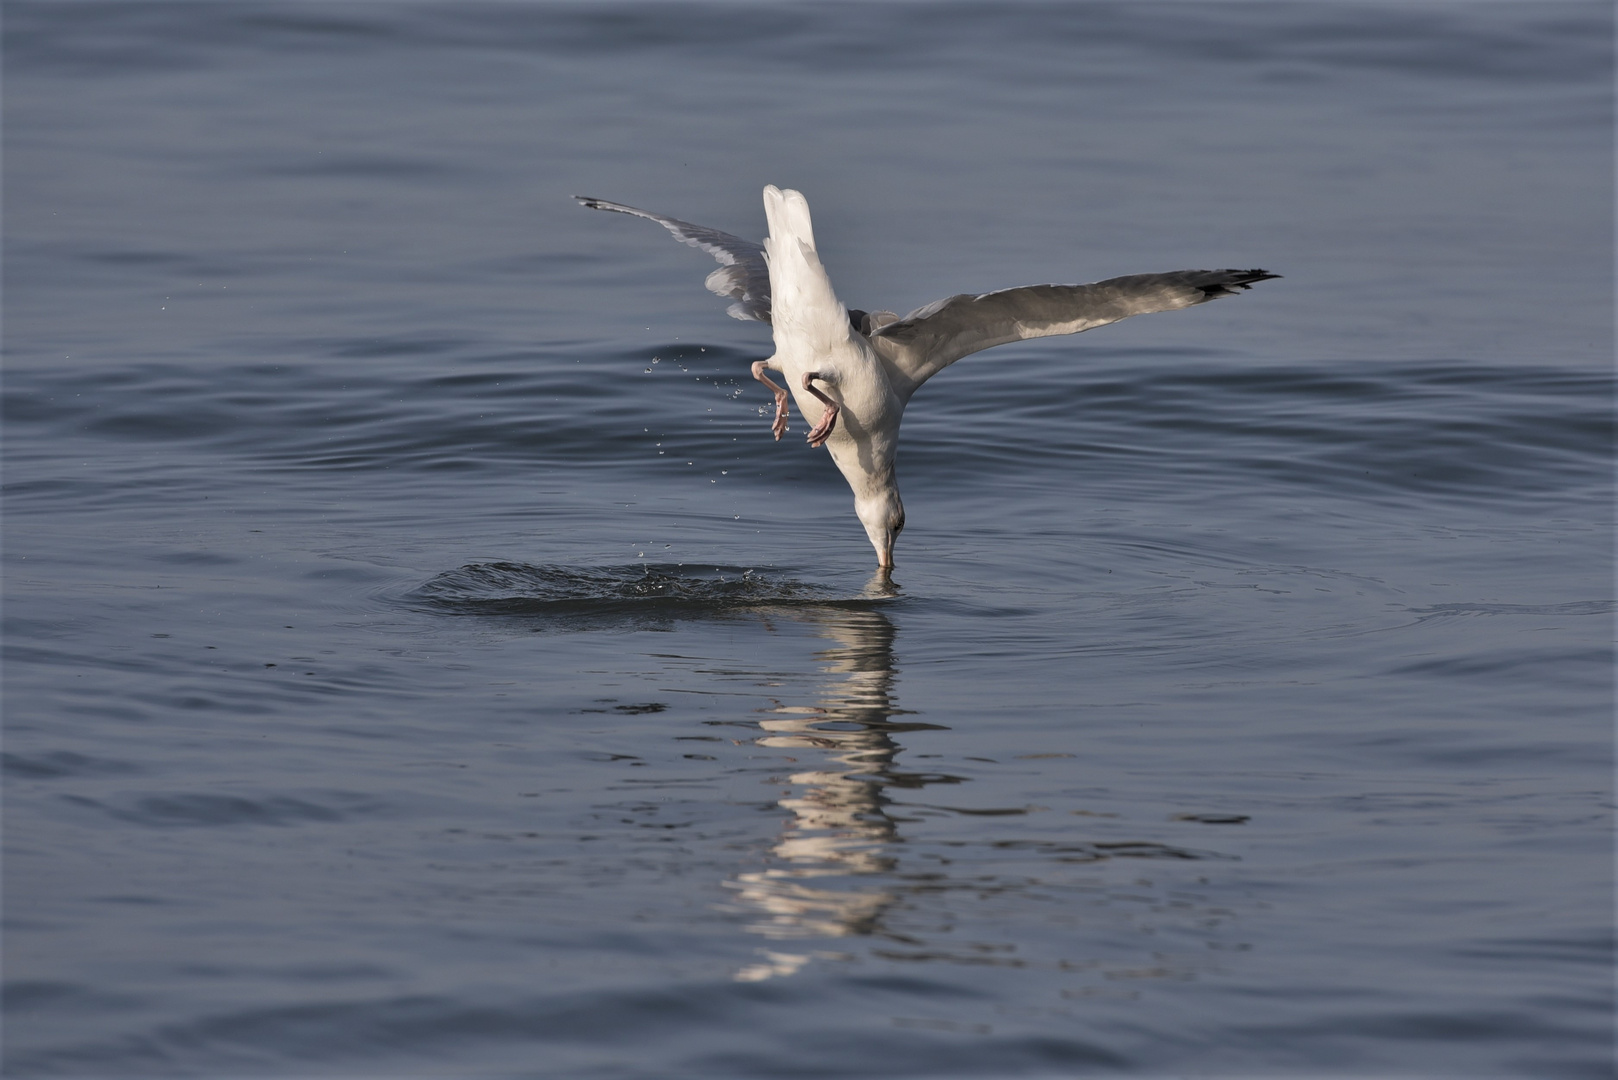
508 588
56 764
180 809
1096 851
1577 607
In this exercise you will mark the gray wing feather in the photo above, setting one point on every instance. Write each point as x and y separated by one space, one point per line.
929 339
742 274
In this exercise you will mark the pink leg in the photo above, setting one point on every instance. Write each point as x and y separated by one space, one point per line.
779 427
828 420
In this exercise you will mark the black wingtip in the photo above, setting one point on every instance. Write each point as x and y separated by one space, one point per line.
1219 283
1248 277
1238 279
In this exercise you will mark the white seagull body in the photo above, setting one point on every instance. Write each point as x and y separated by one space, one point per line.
857 370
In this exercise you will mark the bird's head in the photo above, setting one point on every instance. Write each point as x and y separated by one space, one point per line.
883 516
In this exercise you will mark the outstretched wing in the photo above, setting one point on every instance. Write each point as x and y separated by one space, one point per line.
931 338
742 274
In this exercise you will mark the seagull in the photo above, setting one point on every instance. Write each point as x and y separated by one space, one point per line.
857 370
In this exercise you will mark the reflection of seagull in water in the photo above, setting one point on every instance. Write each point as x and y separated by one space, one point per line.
840 833
868 364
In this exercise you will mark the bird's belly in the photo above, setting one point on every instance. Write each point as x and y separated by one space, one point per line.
861 411
853 381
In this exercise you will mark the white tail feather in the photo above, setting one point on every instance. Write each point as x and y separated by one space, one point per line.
803 306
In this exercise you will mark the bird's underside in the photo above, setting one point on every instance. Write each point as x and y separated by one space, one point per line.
781 282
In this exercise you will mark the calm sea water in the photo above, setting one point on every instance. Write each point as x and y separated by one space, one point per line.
422 661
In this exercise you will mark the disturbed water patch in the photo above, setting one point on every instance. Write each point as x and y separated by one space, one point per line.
627 592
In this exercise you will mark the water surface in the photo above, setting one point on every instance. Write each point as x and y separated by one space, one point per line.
421 661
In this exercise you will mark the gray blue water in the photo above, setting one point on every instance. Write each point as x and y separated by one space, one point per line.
422 662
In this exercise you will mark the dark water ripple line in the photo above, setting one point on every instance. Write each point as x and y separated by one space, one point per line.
213 810
59 764
1094 851
1576 607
